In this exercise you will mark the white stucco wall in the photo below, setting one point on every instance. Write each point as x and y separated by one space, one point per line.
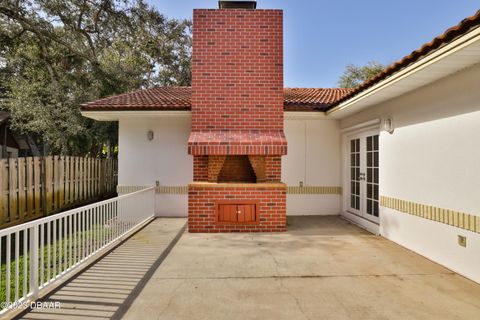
313 157
142 162
432 158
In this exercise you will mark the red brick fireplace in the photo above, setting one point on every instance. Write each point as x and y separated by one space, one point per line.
237 137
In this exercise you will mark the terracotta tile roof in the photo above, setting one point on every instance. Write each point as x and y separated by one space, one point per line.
178 98
158 98
313 97
448 36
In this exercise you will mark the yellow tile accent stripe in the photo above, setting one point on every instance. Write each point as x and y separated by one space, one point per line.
457 219
159 190
312 190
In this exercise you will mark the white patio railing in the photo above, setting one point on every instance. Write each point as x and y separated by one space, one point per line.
34 255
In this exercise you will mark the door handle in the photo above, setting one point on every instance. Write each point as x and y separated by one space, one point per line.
361 176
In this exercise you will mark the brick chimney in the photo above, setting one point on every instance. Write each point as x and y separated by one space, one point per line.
237 137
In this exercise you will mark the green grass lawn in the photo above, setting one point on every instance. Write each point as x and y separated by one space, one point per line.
61 260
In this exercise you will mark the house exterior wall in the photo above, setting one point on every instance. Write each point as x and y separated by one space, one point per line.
164 159
12 147
11 152
429 172
313 158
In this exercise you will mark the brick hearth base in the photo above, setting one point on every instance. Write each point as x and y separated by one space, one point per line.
202 199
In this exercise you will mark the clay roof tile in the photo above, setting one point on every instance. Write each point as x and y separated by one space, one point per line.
179 98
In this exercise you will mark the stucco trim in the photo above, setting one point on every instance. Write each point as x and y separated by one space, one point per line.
127 114
305 115
115 115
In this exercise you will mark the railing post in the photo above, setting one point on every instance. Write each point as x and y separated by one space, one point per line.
34 261
154 206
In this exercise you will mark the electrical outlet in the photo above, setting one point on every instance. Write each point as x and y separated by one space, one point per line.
462 241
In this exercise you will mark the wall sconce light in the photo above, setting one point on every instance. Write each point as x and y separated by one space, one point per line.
150 135
387 125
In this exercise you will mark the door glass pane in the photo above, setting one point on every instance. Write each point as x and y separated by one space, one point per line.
376 208
372 175
355 174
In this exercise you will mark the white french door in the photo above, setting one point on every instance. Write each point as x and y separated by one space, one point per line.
363 194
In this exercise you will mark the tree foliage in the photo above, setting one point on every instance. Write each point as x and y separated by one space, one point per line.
356 75
57 54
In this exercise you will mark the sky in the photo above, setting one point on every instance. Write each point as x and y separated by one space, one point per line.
322 36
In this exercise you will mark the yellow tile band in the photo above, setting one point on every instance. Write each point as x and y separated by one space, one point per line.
315 190
457 219
311 190
159 190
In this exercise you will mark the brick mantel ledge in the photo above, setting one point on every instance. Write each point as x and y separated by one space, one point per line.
238 185
243 142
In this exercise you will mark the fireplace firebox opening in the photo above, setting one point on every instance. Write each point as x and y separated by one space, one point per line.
237 169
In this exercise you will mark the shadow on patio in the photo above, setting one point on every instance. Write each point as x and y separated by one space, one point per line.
107 288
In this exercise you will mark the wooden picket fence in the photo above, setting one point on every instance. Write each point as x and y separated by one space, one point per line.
35 187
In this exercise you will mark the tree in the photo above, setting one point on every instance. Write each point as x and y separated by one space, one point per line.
356 75
57 54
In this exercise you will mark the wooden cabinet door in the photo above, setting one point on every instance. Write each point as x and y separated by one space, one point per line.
246 213
227 213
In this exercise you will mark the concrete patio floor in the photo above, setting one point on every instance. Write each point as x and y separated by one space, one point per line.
322 268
